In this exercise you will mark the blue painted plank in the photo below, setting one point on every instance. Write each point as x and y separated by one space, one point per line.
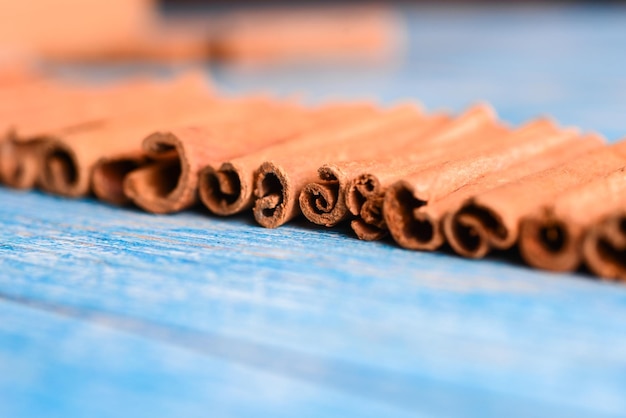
413 321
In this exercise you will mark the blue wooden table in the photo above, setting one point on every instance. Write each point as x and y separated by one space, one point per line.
108 312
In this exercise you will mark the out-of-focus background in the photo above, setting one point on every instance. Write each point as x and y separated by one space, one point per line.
111 312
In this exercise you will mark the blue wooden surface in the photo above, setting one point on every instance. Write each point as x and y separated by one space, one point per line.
106 312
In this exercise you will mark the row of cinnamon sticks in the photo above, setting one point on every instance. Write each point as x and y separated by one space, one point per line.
426 179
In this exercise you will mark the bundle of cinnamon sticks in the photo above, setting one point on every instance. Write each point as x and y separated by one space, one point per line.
469 181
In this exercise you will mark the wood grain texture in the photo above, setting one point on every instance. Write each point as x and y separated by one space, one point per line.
108 312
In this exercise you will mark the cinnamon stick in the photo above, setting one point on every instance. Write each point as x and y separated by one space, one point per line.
171 183
347 185
491 219
551 237
404 201
604 246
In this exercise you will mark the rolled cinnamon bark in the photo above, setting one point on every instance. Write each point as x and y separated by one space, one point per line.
67 160
551 237
348 185
170 184
411 227
491 219
227 188
604 246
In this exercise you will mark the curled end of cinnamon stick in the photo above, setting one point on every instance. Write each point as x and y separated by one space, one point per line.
472 230
548 243
604 248
409 227
61 172
323 203
165 185
19 164
225 191
275 197
364 199
107 181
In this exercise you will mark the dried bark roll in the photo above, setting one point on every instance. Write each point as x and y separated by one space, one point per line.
408 223
604 246
355 185
551 237
170 184
491 219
